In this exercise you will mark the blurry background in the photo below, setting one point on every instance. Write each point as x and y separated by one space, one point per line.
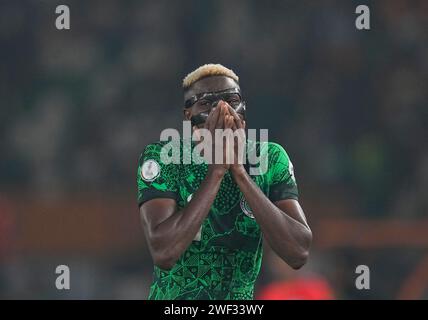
78 106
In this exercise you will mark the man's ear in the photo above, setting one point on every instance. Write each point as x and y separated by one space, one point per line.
187 114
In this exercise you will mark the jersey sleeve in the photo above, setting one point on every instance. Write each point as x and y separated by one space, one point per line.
282 182
155 179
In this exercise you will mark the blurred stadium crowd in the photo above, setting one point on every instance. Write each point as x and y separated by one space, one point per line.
78 106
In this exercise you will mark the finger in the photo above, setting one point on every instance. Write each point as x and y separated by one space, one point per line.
207 121
234 127
229 138
232 122
226 106
214 119
235 117
226 122
230 117
196 133
229 122
221 118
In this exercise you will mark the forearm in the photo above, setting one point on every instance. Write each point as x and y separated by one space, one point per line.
289 238
175 234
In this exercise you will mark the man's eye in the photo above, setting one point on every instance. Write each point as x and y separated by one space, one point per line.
204 102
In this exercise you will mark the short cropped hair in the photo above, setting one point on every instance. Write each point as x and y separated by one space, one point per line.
208 70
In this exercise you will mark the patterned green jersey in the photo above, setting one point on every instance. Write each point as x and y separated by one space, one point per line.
223 261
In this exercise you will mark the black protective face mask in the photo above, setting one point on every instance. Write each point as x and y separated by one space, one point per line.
213 98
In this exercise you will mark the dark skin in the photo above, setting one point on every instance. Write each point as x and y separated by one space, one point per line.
170 231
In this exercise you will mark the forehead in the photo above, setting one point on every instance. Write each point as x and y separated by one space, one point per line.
210 84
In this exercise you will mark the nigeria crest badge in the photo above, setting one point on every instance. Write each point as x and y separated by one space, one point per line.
150 170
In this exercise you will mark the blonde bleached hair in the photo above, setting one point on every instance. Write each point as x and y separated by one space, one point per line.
208 70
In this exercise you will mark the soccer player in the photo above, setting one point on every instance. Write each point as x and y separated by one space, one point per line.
204 223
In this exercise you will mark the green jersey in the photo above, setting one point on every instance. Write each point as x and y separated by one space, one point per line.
224 259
